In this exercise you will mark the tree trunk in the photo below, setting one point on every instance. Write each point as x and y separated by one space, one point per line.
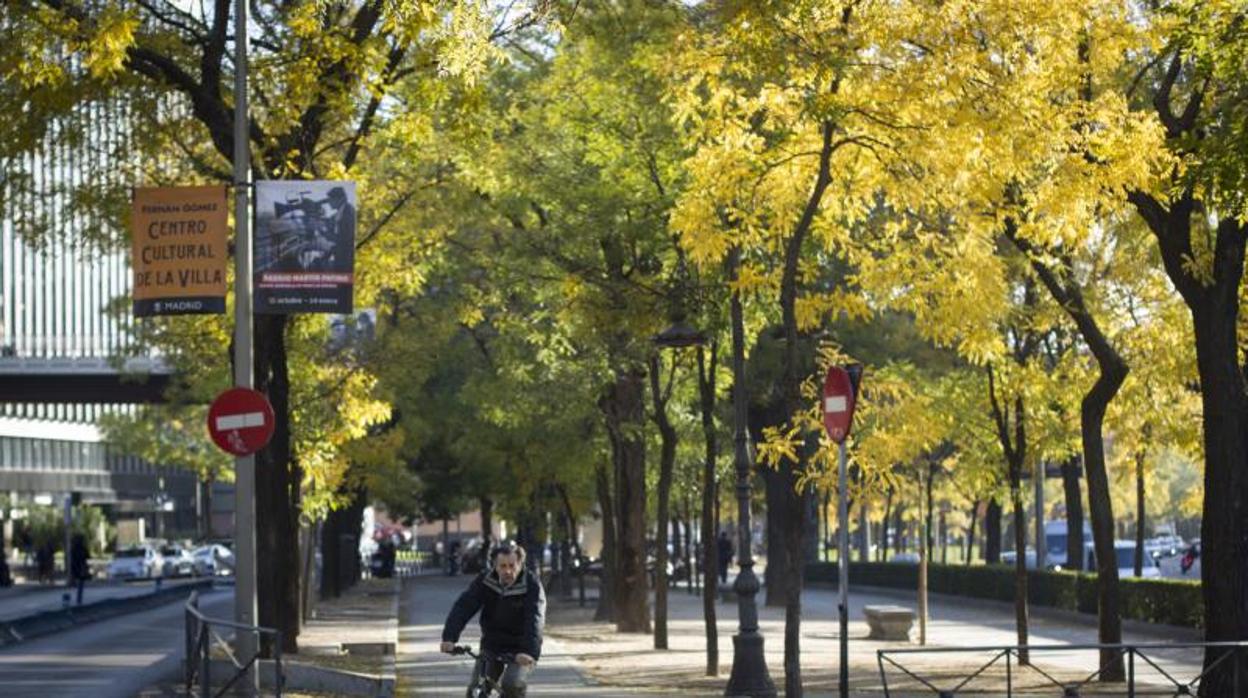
278 481
1139 513
624 407
1020 561
970 534
667 462
944 539
1214 305
606 587
487 522
864 532
888 512
1074 514
992 532
1224 528
899 529
1092 416
710 552
1060 282
810 526
777 555
340 544
1012 435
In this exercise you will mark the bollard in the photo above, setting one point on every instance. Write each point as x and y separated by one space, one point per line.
65 601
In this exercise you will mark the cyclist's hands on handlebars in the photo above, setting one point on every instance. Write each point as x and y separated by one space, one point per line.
447 647
524 660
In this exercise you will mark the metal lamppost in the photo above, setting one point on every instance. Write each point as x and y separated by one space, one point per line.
749 667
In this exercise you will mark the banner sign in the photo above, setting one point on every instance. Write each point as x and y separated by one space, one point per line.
178 250
305 247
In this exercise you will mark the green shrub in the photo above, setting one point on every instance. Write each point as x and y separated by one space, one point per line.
1166 601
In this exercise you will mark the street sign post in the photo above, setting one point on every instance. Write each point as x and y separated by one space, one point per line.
241 421
840 393
246 603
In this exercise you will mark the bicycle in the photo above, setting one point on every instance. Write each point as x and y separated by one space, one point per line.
486 684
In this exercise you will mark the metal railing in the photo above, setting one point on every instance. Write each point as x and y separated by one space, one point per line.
201 638
1138 658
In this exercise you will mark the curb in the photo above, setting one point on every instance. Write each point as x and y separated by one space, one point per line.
48 622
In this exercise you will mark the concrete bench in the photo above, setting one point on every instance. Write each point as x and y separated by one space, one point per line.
889 622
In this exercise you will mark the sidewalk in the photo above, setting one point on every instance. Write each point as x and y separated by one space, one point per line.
363 621
629 661
423 671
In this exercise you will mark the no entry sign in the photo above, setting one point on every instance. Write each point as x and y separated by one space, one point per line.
240 421
840 391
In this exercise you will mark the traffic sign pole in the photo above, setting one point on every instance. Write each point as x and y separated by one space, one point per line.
246 606
840 392
842 584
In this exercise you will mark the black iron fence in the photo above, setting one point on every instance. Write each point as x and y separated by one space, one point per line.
998 670
203 634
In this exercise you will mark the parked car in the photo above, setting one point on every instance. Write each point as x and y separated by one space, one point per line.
214 560
1164 546
137 562
1124 551
177 561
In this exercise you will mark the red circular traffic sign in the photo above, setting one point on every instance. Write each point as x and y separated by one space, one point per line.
241 421
839 394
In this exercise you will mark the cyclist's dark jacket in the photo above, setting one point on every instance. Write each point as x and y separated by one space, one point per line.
511 617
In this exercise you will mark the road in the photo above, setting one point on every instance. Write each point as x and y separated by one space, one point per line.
116 657
17 602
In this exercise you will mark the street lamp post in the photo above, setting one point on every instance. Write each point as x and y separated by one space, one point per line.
749 667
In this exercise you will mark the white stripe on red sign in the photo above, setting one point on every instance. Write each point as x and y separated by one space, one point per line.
835 403
240 421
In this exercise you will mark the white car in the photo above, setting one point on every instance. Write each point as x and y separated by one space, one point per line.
138 562
214 560
177 561
1125 552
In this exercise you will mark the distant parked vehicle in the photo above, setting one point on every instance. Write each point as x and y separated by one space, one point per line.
177 561
138 562
1164 546
213 560
1055 534
1124 551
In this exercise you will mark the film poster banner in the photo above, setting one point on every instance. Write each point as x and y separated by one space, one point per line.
305 247
179 250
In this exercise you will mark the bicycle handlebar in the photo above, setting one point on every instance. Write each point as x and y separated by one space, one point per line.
465 649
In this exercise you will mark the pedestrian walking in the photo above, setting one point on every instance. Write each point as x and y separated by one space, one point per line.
79 569
724 547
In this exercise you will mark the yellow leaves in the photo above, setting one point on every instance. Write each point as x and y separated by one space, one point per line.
779 444
814 309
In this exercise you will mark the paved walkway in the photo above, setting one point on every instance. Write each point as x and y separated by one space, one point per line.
629 660
26 599
423 671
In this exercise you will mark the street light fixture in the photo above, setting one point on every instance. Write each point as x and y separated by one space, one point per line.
749 667
679 336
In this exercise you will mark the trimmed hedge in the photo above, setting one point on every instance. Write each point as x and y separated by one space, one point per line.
1165 601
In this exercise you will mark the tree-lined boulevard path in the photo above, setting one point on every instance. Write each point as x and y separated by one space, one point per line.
581 657
423 671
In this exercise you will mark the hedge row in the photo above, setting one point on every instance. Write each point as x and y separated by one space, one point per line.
1166 601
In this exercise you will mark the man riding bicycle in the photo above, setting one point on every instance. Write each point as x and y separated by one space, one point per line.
513 611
